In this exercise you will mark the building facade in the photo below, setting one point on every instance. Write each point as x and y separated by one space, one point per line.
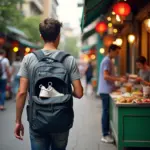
50 9
32 7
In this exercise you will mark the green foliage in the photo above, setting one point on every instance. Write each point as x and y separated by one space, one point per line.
70 46
9 15
30 26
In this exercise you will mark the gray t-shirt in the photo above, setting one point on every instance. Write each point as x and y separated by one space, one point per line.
30 60
145 74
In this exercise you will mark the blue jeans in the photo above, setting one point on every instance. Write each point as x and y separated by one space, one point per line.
57 141
3 83
105 113
16 84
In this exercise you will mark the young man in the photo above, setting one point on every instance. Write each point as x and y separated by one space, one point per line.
5 77
144 72
106 86
50 33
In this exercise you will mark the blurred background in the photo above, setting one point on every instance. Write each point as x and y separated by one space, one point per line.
19 21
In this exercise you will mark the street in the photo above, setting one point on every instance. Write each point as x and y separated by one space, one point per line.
85 134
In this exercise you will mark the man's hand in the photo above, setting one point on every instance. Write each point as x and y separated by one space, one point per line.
123 80
19 131
139 79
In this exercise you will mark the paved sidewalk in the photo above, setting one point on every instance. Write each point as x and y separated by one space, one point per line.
86 133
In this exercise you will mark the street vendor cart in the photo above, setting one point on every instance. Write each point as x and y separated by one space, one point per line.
130 124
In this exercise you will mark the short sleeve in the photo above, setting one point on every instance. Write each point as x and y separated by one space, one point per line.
74 70
107 65
23 72
6 62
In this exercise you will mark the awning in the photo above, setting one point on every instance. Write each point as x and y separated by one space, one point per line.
93 9
88 34
26 43
16 31
87 48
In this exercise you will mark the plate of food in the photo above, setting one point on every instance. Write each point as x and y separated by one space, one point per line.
133 76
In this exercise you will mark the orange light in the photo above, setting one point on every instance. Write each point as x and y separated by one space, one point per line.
93 56
27 49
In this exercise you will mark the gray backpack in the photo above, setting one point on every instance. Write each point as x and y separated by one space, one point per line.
55 114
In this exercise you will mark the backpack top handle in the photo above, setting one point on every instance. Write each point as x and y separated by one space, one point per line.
41 56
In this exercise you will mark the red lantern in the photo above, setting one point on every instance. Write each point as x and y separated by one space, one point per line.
122 9
15 44
101 27
2 40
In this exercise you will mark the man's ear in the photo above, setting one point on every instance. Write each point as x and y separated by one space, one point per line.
41 37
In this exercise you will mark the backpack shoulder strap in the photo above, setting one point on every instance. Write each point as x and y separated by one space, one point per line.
61 56
39 54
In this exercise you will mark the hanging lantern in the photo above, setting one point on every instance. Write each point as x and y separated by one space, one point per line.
102 50
101 27
131 38
122 9
15 44
2 40
147 23
119 41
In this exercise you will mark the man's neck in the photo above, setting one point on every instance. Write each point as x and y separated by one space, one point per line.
49 46
109 55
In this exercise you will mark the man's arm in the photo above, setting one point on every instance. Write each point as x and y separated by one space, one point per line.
108 77
77 89
8 73
21 98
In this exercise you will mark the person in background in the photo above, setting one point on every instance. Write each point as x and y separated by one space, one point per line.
106 86
88 75
5 77
15 69
144 72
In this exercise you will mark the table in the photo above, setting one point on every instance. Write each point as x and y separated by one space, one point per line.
130 124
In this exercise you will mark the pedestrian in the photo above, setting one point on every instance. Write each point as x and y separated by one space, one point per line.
48 75
106 86
4 77
88 76
15 69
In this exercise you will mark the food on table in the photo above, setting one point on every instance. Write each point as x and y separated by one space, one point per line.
125 100
142 101
116 93
127 94
137 93
133 76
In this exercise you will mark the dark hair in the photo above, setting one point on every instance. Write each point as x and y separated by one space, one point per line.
50 29
141 60
2 52
113 47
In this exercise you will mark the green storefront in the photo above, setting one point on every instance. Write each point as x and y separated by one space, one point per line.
129 123
92 11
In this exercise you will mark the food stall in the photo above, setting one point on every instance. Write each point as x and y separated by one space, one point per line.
130 119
